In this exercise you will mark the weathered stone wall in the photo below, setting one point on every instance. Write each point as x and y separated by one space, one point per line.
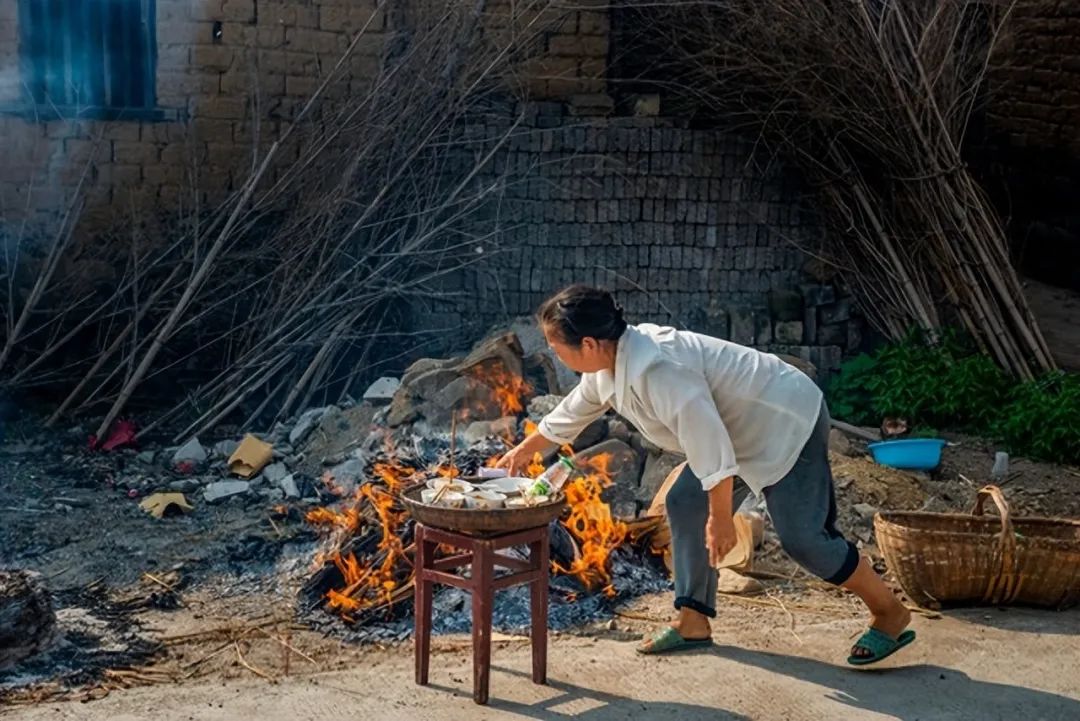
231 74
1036 77
1030 156
683 224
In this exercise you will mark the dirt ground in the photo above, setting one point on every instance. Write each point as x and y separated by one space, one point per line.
979 665
232 648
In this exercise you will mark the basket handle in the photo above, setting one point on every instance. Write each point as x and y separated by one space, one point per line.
993 493
1003 587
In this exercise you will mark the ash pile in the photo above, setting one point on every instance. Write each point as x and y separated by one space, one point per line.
449 417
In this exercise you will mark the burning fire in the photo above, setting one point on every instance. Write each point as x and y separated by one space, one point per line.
591 525
395 476
366 534
509 390
372 584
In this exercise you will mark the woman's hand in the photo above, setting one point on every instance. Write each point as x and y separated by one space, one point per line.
520 456
720 537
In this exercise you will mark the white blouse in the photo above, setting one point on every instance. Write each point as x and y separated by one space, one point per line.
731 410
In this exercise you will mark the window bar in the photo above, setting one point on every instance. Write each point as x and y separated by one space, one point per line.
65 73
149 54
35 53
54 45
95 68
107 97
83 56
28 67
123 61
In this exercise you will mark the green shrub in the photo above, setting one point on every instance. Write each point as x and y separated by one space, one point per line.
950 385
1043 419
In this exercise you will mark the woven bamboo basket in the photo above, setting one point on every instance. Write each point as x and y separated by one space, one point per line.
953 559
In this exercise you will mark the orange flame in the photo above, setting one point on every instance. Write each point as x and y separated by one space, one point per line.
536 467
347 520
394 475
591 524
366 583
509 390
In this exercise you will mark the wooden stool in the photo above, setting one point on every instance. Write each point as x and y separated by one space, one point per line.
481 554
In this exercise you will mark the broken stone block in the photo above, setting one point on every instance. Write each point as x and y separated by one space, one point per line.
185 485
191 452
865 511
428 385
505 427
835 334
817 295
272 494
840 443
273 473
788 332
529 336
621 462
785 306
541 406
476 432
657 468
711 320
591 105
223 490
742 326
426 365
594 433
348 473
403 409
838 312
226 448
763 330
541 364
146 457
643 445
619 430
278 434
460 392
382 390
647 106
289 486
503 348
558 379
27 619
305 425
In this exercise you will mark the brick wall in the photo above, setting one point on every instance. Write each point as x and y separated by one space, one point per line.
1030 155
228 72
1036 77
683 224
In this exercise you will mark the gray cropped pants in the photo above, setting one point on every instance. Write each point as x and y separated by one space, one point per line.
802 507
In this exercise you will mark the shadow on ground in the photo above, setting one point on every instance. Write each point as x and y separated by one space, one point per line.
906 692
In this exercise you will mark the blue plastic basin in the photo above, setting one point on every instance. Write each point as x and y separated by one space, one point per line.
915 454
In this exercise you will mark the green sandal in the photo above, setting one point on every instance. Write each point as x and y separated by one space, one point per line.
669 640
880 645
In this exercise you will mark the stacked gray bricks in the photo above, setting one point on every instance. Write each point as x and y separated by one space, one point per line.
681 223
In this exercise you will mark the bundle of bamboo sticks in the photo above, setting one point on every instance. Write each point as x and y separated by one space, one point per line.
871 101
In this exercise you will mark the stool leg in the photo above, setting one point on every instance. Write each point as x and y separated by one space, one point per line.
482 601
539 554
422 596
